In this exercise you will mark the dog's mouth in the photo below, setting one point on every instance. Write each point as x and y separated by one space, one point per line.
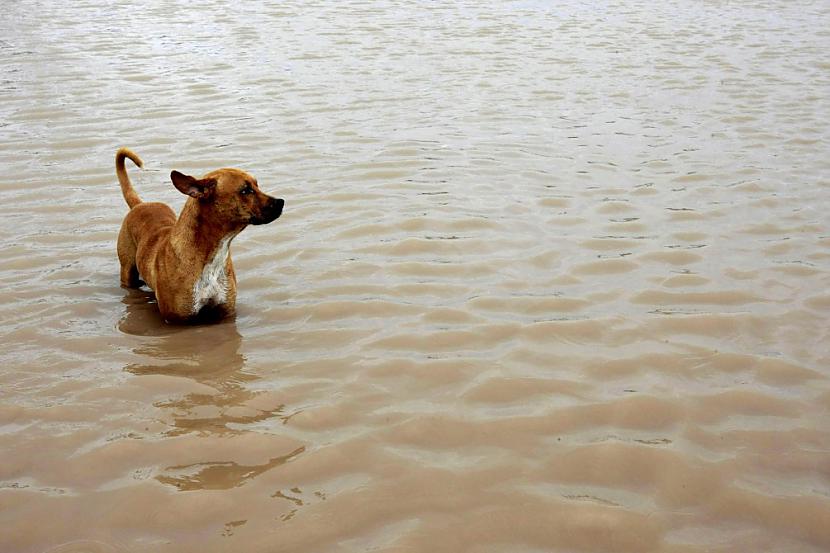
271 211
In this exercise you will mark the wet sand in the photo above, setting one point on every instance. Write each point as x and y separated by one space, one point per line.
550 277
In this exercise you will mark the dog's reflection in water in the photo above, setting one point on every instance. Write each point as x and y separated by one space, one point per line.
209 355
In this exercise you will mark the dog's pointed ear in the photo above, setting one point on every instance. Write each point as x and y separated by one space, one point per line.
196 188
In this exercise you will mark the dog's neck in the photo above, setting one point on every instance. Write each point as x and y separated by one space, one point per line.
198 236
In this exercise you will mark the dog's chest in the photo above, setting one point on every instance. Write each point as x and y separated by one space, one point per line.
211 288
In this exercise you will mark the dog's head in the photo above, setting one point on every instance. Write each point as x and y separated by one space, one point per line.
232 195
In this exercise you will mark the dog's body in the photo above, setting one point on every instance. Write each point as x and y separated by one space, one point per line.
186 261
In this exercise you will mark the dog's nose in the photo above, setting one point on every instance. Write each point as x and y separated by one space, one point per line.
275 206
268 211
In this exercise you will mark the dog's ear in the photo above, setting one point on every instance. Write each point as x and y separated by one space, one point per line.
197 188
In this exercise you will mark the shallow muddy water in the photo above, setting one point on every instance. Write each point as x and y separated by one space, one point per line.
551 276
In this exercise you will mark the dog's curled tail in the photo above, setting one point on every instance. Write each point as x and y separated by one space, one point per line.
126 186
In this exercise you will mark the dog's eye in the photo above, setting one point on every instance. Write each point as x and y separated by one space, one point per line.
247 190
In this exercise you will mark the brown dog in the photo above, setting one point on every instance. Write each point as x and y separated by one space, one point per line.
187 261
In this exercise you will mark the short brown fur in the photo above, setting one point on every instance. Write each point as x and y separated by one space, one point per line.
176 256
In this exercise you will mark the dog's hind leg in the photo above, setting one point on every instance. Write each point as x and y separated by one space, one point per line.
126 257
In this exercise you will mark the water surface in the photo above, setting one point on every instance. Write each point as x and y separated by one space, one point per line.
551 276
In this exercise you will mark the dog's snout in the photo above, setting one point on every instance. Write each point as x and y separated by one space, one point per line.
269 212
275 206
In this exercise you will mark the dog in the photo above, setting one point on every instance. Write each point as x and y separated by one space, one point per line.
187 260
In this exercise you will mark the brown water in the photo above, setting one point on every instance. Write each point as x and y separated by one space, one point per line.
552 276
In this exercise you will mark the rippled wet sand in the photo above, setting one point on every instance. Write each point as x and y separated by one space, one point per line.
550 277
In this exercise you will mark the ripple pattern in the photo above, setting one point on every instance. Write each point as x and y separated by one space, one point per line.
551 276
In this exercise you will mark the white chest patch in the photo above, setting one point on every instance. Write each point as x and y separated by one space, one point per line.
212 285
